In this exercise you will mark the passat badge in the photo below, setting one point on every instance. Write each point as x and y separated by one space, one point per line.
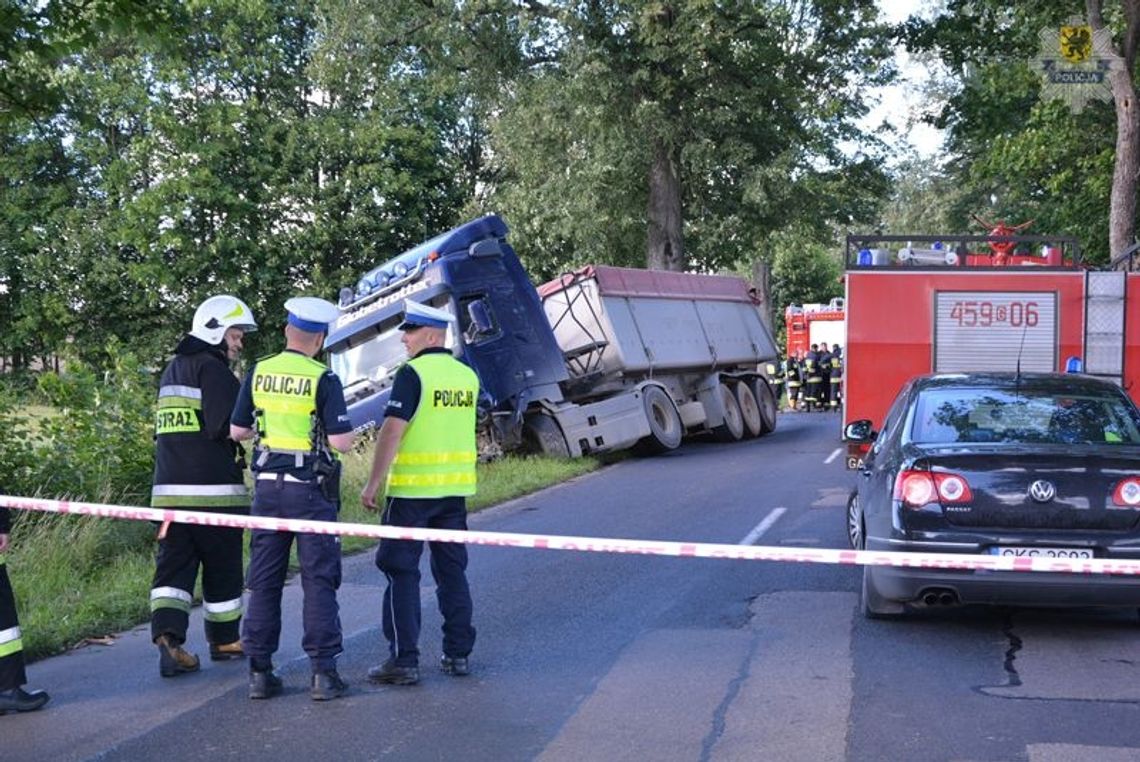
1042 491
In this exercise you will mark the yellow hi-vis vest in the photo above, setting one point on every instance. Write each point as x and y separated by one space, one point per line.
285 397
437 453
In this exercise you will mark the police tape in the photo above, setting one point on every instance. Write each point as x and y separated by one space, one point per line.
908 559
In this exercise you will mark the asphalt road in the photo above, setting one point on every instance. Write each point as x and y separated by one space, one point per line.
586 656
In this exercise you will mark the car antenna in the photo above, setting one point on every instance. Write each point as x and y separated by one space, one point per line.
1017 368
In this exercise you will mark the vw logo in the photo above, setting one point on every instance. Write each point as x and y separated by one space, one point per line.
1042 491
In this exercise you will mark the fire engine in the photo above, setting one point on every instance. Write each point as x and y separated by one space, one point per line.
923 304
813 324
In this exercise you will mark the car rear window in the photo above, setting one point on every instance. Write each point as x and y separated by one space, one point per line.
986 415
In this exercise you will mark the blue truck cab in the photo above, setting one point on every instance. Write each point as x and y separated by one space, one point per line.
501 331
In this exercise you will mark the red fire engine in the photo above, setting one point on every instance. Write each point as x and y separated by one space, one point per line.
922 304
812 324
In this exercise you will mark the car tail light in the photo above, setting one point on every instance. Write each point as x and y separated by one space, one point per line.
917 488
1127 493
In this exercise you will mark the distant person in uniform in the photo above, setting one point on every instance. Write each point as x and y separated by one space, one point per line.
812 377
794 380
836 379
293 408
13 697
199 468
425 457
776 372
825 377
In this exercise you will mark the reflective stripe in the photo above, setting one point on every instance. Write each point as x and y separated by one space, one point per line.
170 598
10 641
198 489
432 458
198 495
226 611
430 480
166 403
180 390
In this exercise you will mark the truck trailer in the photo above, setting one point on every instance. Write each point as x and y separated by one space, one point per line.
601 359
926 304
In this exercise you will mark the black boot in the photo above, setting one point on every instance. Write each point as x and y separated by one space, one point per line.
390 674
264 684
20 700
327 686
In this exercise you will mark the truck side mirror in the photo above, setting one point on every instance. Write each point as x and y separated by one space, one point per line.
481 324
488 247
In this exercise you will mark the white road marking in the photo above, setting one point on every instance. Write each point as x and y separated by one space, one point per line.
762 527
834 454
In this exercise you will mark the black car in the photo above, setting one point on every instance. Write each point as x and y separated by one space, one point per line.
1030 464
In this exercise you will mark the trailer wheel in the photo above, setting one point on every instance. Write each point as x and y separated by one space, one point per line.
665 429
732 430
543 435
766 400
749 410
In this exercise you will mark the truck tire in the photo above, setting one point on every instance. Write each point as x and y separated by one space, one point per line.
665 429
543 436
766 400
732 429
749 410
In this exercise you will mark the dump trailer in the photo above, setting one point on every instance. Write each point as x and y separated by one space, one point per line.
601 359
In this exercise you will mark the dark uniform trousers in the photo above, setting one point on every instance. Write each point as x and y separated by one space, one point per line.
12 665
399 560
319 559
218 551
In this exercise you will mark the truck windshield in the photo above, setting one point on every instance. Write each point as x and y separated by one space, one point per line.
373 360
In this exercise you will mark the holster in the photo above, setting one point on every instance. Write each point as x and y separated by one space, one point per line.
329 473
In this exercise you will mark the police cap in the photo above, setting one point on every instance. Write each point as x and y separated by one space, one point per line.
310 313
418 315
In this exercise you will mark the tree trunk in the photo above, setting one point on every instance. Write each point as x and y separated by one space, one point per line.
665 246
1122 211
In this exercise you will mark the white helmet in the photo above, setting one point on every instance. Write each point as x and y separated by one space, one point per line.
218 313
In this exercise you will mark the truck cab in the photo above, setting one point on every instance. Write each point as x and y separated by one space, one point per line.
500 331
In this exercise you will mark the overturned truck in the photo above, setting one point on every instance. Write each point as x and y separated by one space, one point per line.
601 359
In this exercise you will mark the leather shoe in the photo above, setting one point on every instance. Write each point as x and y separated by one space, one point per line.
327 686
20 700
226 651
173 659
263 685
454 665
390 674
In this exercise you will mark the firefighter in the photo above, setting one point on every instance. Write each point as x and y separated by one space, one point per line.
812 378
425 455
825 377
198 467
776 373
293 408
836 379
13 697
794 375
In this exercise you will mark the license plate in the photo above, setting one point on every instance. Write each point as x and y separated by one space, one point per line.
1022 552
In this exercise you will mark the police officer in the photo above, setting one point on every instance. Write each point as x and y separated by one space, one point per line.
197 467
425 455
13 697
293 408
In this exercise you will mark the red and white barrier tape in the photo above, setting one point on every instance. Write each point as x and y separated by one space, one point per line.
594 544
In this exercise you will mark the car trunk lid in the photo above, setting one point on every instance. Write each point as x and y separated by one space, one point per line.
1043 487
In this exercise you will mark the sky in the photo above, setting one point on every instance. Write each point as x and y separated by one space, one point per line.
901 99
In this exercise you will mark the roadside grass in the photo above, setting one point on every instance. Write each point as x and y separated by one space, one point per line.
78 578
